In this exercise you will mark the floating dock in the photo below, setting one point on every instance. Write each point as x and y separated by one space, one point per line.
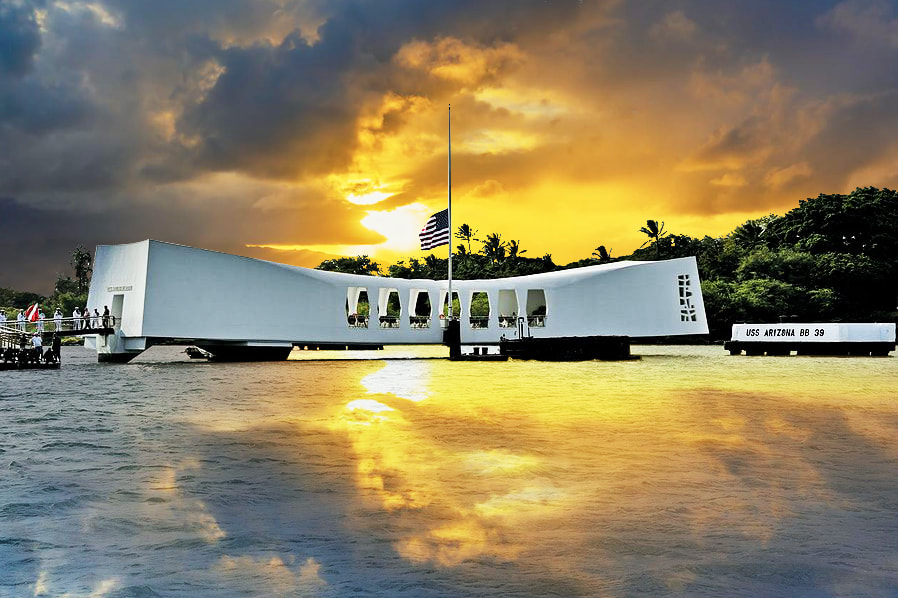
865 340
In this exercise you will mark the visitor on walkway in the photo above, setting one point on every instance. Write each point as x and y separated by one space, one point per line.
40 321
85 318
57 320
20 320
37 343
76 319
105 316
96 318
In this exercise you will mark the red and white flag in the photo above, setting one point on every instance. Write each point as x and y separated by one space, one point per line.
32 313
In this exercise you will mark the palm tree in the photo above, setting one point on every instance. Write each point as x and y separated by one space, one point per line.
655 233
750 234
466 233
603 254
494 247
514 249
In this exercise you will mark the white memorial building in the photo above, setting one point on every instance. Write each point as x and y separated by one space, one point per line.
238 307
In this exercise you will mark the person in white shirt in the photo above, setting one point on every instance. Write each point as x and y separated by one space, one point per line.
40 321
37 343
2 317
76 315
20 320
57 320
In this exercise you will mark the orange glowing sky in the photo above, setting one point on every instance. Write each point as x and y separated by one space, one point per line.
298 130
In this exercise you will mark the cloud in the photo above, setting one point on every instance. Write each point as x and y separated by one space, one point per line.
731 149
19 39
866 20
675 26
729 179
454 60
779 177
228 123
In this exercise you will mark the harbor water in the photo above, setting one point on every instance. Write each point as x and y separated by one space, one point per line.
687 472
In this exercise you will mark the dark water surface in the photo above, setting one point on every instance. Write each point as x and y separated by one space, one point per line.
685 473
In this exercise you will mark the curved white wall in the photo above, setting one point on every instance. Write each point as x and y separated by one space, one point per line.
173 291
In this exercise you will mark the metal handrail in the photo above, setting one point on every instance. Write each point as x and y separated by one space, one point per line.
479 321
357 321
419 322
536 321
389 321
11 326
507 321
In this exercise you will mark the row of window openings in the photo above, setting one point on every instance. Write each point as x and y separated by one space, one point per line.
390 310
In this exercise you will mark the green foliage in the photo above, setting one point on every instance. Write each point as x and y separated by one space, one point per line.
466 233
480 305
394 307
494 248
655 233
602 254
788 265
16 300
829 259
766 300
361 264
67 302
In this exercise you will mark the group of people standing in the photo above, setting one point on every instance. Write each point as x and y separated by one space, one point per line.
91 321
81 320
30 353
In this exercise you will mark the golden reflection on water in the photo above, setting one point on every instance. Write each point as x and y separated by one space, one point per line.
498 460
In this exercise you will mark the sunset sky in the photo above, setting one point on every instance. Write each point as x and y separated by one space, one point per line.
297 130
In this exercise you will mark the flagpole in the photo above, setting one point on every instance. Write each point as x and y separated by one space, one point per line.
451 307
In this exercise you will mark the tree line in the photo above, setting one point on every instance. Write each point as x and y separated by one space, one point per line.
68 292
830 259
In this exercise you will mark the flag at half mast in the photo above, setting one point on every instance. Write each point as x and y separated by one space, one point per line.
436 231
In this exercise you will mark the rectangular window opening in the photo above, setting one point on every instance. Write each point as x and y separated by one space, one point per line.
536 308
480 310
357 307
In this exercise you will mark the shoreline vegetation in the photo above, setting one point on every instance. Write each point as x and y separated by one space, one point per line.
833 258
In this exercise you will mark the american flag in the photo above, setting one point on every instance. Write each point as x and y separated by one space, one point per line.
436 231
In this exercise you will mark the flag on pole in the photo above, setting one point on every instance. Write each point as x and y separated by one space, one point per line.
436 231
32 313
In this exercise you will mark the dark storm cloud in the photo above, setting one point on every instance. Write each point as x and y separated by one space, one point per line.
291 108
19 39
80 118
857 132
107 108
37 242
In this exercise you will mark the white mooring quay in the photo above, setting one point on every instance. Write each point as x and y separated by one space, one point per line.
248 309
812 339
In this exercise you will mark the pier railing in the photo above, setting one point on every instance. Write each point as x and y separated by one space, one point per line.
12 330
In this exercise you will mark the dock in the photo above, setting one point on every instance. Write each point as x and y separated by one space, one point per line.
18 353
